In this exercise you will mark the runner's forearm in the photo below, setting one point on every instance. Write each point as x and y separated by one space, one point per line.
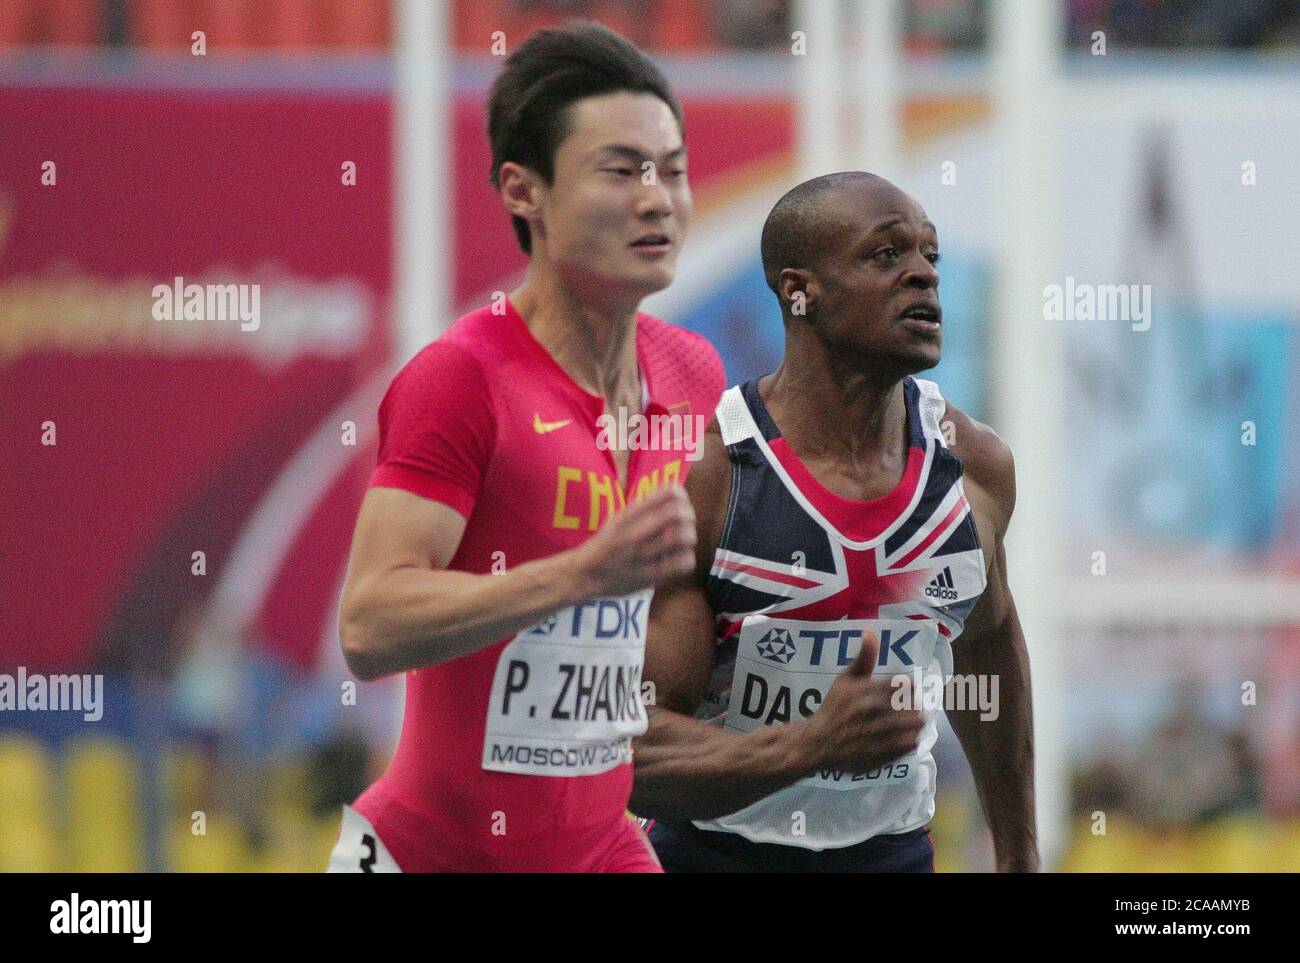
688 769
408 618
1001 751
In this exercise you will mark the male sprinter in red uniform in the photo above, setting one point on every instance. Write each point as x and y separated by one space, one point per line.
850 530
505 556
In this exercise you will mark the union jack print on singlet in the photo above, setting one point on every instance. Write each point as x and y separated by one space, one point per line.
800 573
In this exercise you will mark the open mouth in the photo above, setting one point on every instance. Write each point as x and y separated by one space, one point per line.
652 241
923 320
924 312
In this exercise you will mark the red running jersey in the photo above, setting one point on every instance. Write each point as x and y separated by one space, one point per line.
519 755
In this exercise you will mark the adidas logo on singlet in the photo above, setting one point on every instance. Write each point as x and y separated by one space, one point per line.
941 586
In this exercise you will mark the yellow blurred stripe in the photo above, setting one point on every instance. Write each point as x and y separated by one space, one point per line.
219 848
103 807
1232 844
29 838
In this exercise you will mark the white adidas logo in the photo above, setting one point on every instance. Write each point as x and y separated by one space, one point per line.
941 586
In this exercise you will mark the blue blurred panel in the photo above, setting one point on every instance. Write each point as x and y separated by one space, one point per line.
1248 381
742 319
1155 429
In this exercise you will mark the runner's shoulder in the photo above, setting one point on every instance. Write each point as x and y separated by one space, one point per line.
447 380
684 361
665 335
986 459
462 352
441 368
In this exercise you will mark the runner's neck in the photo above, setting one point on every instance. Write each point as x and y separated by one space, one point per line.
595 346
853 417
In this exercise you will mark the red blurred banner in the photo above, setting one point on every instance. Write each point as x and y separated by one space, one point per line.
138 435
167 432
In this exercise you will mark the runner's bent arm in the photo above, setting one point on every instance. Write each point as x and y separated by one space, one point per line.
1000 750
402 608
684 767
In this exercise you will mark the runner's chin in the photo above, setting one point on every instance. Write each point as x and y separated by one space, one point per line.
655 265
922 350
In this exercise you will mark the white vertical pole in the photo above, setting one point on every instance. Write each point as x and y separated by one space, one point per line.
879 86
1025 370
422 255
819 85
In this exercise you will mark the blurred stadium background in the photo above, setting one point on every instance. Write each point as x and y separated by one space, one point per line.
1112 141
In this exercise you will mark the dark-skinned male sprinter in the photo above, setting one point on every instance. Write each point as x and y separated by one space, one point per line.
850 524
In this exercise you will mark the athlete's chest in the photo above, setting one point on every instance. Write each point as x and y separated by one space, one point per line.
564 465
918 555
852 480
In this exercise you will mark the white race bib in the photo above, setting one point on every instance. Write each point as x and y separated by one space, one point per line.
785 667
566 697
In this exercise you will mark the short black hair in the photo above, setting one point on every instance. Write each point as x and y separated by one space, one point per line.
794 232
528 106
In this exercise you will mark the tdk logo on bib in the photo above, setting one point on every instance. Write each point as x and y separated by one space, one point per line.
609 618
785 667
791 645
777 646
599 619
836 647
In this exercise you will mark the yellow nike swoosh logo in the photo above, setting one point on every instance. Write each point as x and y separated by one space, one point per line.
542 427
